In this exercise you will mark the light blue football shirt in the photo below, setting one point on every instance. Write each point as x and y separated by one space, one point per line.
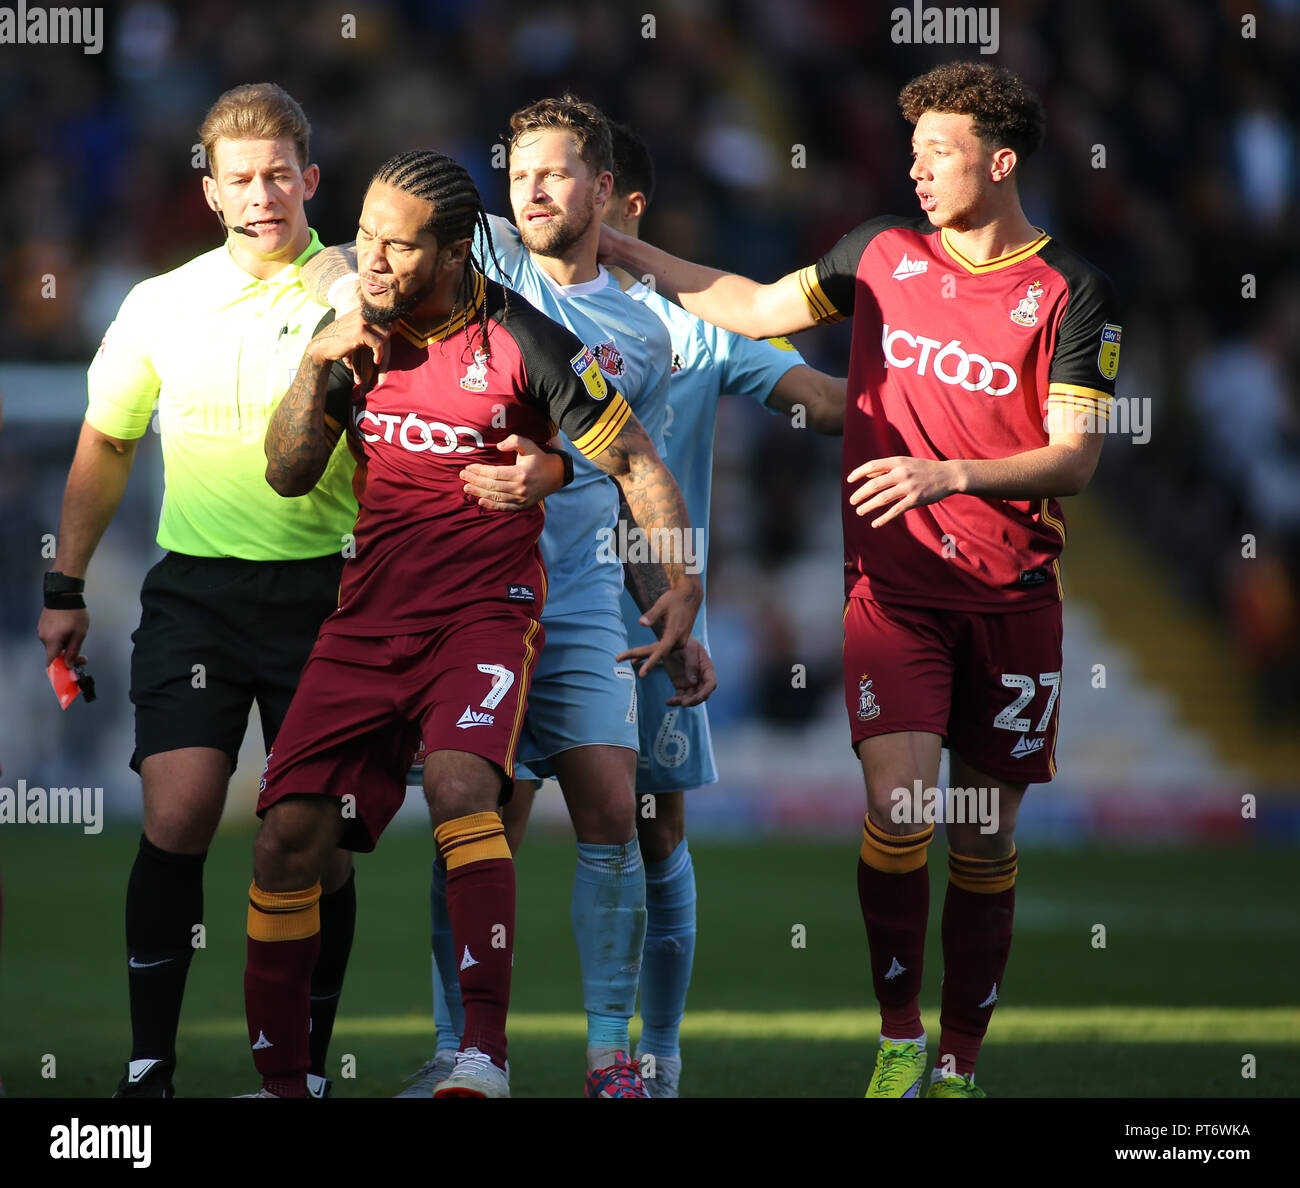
707 361
635 354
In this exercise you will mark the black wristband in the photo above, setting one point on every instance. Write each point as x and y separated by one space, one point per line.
568 461
63 592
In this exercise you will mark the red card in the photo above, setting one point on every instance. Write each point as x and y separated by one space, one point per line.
64 683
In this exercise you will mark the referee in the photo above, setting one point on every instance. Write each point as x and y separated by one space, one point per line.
230 614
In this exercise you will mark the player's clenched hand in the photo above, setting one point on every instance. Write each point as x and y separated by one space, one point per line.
904 482
534 475
63 632
675 609
348 337
691 671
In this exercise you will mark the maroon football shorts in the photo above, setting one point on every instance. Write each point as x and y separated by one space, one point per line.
364 702
988 683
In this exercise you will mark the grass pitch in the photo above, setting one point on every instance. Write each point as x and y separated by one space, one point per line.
1197 972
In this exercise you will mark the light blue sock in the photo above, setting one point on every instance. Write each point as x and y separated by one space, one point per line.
669 950
608 915
448 1013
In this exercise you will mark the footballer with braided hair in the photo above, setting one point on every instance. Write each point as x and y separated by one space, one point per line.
458 213
981 372
438 629
581 724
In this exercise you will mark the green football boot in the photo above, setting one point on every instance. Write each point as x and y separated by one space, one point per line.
953 1085
900 1070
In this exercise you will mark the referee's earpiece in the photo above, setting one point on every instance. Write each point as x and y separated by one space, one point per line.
216 209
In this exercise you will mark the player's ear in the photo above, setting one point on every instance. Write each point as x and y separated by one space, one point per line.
310 180
636 204
454 254
604 187
1004 164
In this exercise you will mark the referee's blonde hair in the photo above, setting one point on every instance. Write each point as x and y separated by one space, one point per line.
256 111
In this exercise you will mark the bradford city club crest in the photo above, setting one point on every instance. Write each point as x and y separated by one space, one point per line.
475 377
867 707
610 358
1026 313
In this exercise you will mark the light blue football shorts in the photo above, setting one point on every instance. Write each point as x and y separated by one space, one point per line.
580 695
676 746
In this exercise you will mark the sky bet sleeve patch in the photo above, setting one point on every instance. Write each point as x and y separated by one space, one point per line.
1108 356
587 369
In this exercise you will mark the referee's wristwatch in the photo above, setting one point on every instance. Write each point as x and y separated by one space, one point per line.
63 592
567 458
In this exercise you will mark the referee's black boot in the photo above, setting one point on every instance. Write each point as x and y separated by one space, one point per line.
147 1078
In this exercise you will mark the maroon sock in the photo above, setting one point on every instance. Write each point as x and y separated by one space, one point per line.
976 945
895 906
481 906
277 985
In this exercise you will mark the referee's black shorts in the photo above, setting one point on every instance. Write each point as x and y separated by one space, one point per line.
217 634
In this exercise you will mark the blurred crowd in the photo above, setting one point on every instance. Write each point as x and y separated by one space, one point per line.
1171 163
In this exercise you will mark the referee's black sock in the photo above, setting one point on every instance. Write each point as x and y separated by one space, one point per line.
164 901
338 921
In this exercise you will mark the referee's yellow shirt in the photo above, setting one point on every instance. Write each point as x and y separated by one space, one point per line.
215 348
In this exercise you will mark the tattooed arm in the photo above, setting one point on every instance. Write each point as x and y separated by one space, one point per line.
656 506
298 441
690 669
325 269
299 438
646 581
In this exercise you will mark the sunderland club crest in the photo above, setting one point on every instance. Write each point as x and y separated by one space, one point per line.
867 707
610 358
1026 313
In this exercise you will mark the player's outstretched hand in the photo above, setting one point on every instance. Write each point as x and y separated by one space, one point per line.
676 609
904 482
534 475
63 632
691 671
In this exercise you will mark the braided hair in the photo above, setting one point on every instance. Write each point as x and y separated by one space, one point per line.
458 211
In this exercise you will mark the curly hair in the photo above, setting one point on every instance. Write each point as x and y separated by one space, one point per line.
1007 113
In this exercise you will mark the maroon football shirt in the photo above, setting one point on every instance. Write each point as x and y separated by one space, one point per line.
956 359
423 548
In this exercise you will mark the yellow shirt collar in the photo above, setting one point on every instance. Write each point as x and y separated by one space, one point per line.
287 275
